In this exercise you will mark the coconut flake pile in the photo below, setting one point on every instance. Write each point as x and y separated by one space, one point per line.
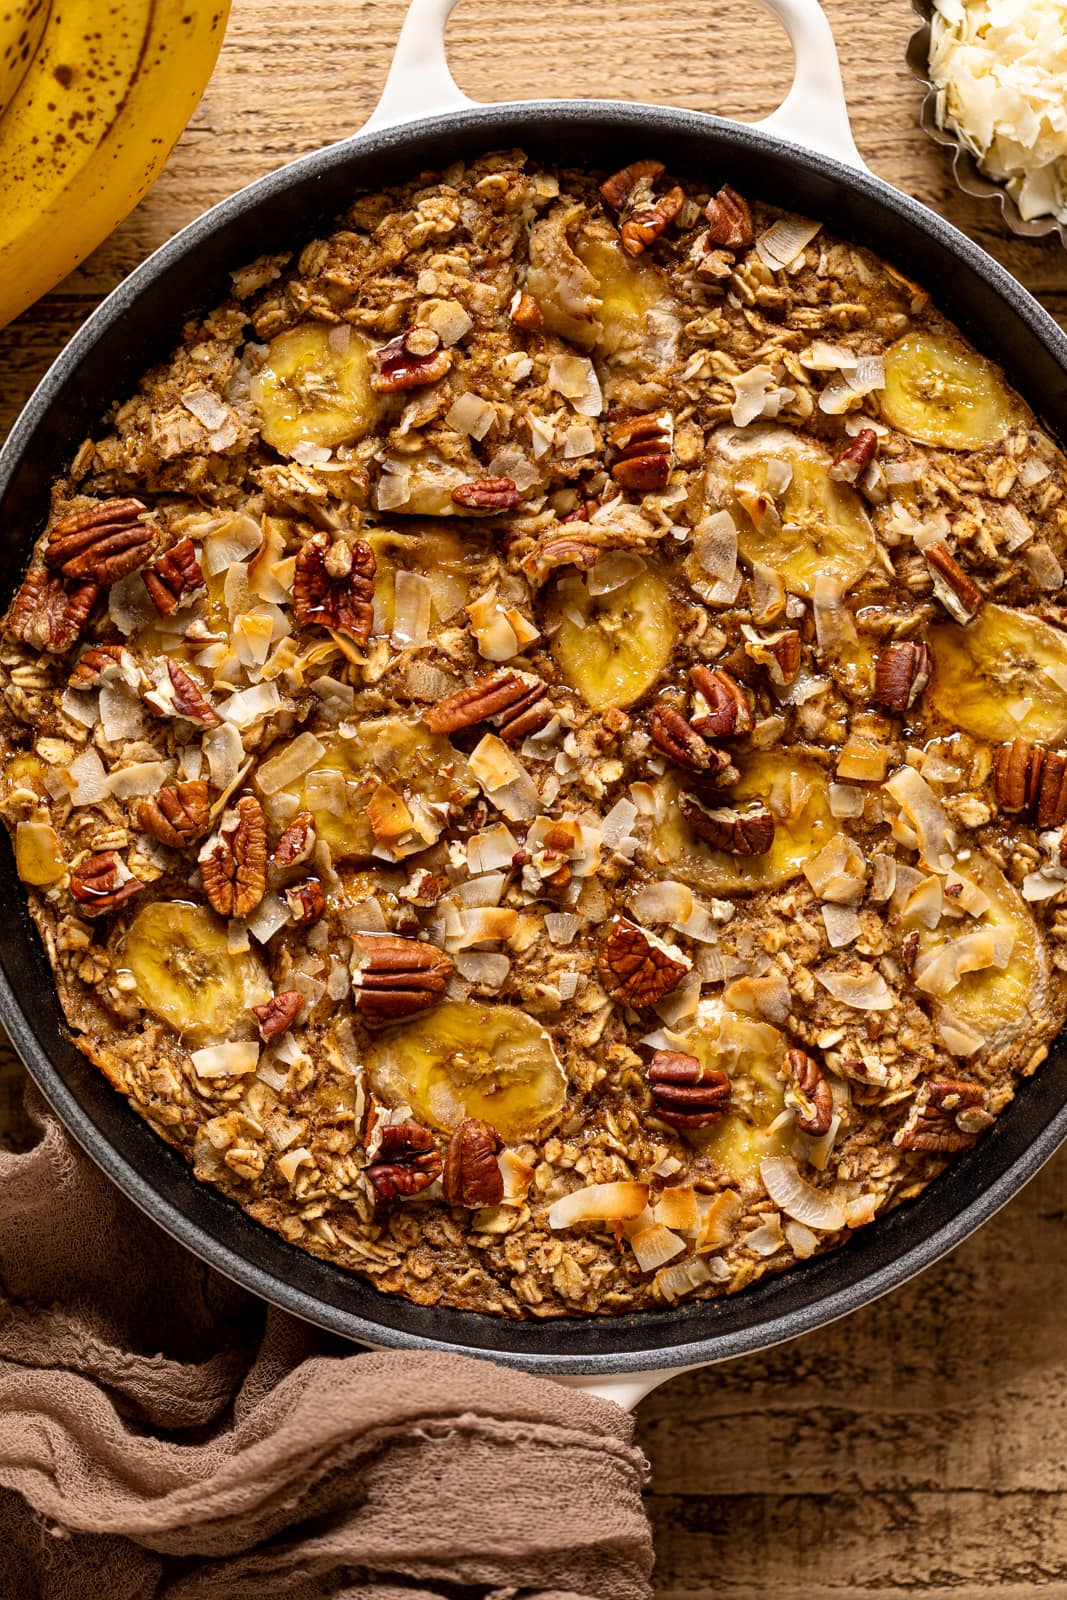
1000 71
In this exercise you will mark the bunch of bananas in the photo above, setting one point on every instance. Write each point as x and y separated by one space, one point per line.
93 98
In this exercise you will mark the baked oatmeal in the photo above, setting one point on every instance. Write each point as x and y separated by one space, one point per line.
537 740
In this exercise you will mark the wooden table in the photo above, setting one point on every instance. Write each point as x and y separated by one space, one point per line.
918 1447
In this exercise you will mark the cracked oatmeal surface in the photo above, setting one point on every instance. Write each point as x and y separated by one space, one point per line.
537 741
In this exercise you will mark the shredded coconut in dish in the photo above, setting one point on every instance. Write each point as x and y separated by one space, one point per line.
1000 69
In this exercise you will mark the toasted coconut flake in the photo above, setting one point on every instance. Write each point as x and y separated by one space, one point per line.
599 1202
89 782
224 751
613 571
655 1246
290 764
863 988
715 546
719 1221
834 627
1043 565
939 970
751 390
862 759
226 1060
562 926
960 1040
784 240
845 800
923 904
766 996
815 1208
491 849
923 810
141 778
236 539
290 1163
517 1175
411 620
121 713
674 1283
486 968
843 926
619 822
677 1007
663 901
677 1207
575 378
448 319
767 1239
270 915
800 1240
251 705
838 873
492 628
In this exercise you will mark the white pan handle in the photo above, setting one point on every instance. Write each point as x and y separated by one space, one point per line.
813 113
628 1389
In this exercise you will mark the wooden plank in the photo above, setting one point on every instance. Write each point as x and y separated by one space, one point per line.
919 1446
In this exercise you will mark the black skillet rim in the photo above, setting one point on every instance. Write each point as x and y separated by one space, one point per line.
153 1176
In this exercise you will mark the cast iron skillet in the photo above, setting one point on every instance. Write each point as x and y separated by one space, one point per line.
802 158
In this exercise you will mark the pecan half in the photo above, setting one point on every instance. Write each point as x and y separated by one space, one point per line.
947 1115
1052 797
526 313
728 710
278 1014
233 864
636 968
812 1093
406 1162
178 814
958 593
414 359
856 457
730 224
684 1093
487 496
679 740
560 550
779 653
901 674
645 223
103 882
495 693
48 614
176 695
97 664
333 585
395 977
740 833
472 1175
1017 770
645 447
102 544
295 845
306 902
617 189
176 574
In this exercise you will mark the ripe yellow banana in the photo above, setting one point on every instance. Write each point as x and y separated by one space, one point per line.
91 125
21 26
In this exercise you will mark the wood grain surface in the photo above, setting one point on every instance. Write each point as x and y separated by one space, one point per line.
917 1448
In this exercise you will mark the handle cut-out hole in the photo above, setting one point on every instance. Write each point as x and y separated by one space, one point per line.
733 58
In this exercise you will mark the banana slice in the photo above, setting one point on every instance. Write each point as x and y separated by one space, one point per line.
314 388
622 642
442 556
995 1003
940 392
466 1060
385 792
796 792
637 313
180 960
813 526
1003 676
751 1054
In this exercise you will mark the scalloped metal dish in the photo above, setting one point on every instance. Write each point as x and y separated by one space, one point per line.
964 167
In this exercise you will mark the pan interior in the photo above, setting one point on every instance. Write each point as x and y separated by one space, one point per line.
104 361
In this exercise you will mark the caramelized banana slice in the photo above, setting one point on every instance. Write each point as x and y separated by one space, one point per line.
796 793
466 1060
1002 676
1007 993
751 1055
942 393
180 959
438 554
314 388
814 526
385 792
612 647
637 314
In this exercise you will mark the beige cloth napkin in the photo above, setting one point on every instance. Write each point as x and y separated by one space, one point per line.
166 1436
